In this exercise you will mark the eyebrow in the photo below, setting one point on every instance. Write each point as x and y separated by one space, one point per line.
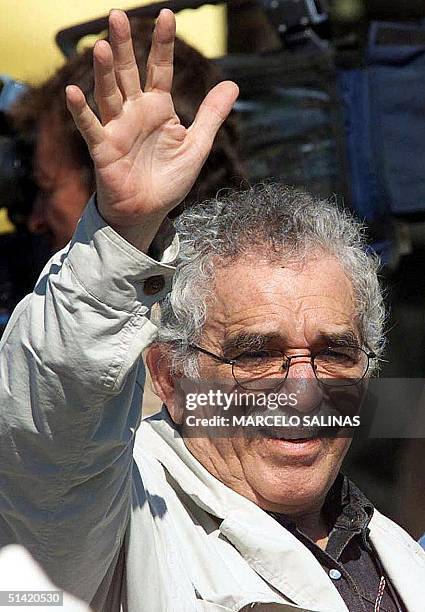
248 341
245 341
343 337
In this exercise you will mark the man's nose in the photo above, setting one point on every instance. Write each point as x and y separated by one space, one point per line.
302 381
37 223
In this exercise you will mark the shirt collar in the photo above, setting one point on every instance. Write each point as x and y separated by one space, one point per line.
347 507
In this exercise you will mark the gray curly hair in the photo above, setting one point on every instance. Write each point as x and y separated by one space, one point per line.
282 222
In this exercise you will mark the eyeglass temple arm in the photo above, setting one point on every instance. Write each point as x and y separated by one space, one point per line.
217 357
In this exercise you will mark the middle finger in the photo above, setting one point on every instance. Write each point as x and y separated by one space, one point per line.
125 65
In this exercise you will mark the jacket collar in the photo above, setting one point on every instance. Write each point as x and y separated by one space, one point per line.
402 560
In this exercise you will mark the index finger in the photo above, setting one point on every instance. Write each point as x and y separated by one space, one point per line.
86 121
161 56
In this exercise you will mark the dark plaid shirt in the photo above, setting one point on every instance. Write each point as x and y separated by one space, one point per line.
349 558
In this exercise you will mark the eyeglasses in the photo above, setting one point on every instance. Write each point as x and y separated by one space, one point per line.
333 366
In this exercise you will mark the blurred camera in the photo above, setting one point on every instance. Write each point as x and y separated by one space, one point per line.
299 21
17 189
21 254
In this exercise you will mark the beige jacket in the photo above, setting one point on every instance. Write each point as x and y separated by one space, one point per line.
116 517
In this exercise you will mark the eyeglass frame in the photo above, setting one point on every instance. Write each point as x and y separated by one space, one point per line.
369 354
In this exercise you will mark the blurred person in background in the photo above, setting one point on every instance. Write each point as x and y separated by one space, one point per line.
63 170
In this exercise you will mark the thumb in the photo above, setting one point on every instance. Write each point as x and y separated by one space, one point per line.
212 113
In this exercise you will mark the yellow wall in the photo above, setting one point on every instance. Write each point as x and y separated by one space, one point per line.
28 28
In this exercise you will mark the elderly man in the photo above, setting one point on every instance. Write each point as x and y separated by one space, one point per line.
269 286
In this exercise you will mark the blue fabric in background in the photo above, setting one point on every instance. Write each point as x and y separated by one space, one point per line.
422 541
10 91
384 111
368 197
396 83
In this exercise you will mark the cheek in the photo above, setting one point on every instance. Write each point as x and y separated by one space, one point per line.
335 451
216 372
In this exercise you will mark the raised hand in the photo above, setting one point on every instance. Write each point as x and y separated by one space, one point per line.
146 162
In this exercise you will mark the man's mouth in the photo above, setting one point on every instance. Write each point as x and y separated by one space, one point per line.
293 434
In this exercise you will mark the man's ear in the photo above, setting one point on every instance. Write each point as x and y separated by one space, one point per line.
158 361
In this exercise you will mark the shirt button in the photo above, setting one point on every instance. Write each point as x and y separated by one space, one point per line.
335 574
153 285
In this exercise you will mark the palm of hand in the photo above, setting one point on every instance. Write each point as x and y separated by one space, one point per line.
142 160
145 160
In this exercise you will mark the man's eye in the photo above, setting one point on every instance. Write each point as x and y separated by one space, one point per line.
334 354
341 354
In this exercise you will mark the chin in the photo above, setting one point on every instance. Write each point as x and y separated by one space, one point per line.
292 477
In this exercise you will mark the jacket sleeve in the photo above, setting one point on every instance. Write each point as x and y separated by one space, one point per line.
71 382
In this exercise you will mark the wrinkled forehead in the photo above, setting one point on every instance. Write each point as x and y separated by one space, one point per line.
298 300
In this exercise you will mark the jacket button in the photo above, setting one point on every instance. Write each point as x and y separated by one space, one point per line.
335 574
153 285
